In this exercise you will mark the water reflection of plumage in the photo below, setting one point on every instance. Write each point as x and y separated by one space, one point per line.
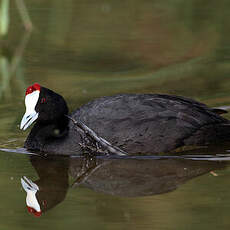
120 177
135 177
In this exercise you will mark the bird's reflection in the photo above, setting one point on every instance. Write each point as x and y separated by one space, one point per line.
51 187
31 189
122 177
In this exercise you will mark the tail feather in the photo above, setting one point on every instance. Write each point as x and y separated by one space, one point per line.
210 134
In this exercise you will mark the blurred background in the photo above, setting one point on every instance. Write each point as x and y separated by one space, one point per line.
84 49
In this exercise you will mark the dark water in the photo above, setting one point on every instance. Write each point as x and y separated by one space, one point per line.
86 49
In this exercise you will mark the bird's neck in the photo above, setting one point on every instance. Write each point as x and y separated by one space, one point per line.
43 133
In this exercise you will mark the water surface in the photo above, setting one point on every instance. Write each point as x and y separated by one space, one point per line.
85 49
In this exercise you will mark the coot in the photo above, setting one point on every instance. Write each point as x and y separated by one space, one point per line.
132 123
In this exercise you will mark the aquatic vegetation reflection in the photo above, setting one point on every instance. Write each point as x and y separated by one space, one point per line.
11 61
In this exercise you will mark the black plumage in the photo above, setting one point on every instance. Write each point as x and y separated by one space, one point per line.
136 123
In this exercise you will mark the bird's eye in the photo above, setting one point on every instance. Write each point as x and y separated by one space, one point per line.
44 203
43 100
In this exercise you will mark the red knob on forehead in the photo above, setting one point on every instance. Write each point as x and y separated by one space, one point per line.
33 88
34 212
36 86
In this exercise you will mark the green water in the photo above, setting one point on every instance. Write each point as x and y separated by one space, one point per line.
86 49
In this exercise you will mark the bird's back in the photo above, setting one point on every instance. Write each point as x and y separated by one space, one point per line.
149 123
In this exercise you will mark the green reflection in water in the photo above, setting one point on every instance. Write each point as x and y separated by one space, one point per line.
85 49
